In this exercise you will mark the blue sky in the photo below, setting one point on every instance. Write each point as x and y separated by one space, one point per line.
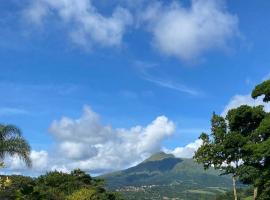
127 62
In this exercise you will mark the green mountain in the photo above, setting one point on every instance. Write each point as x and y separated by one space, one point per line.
163 176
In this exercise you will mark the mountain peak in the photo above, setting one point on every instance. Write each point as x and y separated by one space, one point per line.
159 156
166 173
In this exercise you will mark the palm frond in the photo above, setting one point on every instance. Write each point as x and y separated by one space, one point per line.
16 146
8 131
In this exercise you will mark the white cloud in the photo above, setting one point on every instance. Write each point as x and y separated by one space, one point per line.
178 30
88 144
239 100
76 150
187 33
186 151
39 159
86 25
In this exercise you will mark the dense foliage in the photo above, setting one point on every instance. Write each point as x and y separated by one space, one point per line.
239 144
57 186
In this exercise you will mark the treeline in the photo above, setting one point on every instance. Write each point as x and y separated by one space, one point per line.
76 185
239 144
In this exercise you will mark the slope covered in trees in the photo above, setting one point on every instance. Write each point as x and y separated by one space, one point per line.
162 175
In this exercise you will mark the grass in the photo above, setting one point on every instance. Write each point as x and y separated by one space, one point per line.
201 192
219 189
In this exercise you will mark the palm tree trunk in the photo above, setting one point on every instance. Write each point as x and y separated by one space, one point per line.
234 188
255 193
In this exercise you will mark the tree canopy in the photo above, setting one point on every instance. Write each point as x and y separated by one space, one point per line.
239 144
58 186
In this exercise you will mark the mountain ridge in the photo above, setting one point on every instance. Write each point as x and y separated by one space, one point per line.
162 174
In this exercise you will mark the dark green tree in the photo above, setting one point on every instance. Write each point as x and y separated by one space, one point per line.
213 152
20 187
243 123
58 186
262 89
256 170
224 148
240 144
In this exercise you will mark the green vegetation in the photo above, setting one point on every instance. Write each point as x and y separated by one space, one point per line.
163 175
243 194
57 186
239 144
172 192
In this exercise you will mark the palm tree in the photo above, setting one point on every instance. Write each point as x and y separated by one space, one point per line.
12 143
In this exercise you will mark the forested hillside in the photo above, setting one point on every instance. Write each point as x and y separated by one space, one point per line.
163 175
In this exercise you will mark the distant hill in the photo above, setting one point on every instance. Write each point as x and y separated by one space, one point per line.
164 176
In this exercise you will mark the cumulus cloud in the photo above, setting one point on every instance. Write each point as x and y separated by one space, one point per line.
188 32
88 144
185 32
239 100
186 151
86 25
40 160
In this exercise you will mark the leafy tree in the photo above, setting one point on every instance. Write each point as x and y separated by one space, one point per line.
58 186
63 183
91 194
224 149
257 168
243 123
213 151
83 194
19 187
240 144
257 157
262 89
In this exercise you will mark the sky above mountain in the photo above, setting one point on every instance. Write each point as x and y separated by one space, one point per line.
100 85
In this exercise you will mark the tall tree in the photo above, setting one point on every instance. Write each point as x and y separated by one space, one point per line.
12 143
256 170
243 123
224 148
213 152
239 145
